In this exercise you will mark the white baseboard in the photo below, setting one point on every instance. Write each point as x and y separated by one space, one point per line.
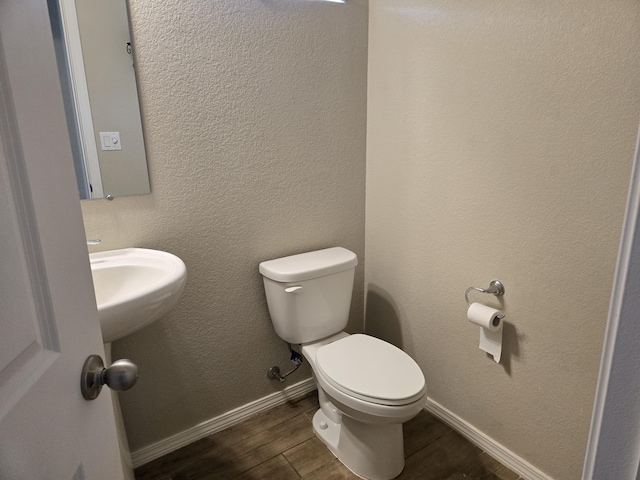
240 414
487 444
209 427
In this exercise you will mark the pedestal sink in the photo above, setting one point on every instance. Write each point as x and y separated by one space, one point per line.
134 287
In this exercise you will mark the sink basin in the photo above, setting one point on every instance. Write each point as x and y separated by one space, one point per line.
134 287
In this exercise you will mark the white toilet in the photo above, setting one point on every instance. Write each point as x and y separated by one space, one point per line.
367 388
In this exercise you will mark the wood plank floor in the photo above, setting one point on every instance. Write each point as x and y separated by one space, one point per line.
280 444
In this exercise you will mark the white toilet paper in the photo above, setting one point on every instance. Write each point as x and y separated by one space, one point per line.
490 322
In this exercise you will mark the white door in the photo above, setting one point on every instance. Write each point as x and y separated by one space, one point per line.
48 317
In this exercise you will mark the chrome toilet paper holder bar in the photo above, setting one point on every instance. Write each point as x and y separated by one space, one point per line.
495 288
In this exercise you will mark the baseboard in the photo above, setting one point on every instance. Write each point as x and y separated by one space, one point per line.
240 414
209 427
487 444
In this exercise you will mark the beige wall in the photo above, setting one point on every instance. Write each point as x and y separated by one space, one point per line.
254 117
499 145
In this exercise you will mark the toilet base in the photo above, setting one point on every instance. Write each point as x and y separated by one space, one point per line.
371 451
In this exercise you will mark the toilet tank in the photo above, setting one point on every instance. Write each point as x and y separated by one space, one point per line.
309 294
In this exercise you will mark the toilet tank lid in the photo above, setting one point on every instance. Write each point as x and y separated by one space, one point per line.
305 266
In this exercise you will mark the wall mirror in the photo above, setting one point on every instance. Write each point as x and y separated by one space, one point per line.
96 65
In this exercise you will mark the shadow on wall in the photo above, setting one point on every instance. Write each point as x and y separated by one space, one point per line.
381 316
382 321
510 346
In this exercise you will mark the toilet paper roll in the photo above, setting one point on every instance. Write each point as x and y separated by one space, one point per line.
490 322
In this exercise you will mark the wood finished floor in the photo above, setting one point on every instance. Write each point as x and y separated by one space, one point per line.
279 444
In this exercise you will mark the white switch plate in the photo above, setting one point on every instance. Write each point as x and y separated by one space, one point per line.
110 141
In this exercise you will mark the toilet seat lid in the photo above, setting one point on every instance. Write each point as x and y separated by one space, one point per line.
371 369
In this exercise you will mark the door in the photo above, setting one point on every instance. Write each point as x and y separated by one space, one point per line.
613 450
48 318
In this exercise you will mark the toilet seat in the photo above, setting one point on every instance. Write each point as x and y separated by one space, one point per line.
372 370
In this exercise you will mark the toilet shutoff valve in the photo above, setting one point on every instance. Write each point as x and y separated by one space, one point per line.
274 372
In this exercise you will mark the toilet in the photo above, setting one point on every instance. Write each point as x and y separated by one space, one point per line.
367 388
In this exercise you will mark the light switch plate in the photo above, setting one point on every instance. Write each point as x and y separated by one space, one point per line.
110 141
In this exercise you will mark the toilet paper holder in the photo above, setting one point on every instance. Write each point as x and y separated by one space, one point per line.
495 288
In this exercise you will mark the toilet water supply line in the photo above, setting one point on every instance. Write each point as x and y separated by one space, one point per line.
274 372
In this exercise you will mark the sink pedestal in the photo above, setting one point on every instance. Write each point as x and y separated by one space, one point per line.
125 453
134 287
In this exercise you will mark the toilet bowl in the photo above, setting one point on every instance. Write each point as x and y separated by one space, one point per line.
367 388
362 407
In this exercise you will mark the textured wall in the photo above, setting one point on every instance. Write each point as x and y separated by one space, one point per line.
499 145
254 116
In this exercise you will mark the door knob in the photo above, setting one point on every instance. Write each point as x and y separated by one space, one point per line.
120 376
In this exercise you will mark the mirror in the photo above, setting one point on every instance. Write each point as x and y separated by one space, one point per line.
95 62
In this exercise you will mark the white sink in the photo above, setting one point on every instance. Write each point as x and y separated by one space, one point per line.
134 287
